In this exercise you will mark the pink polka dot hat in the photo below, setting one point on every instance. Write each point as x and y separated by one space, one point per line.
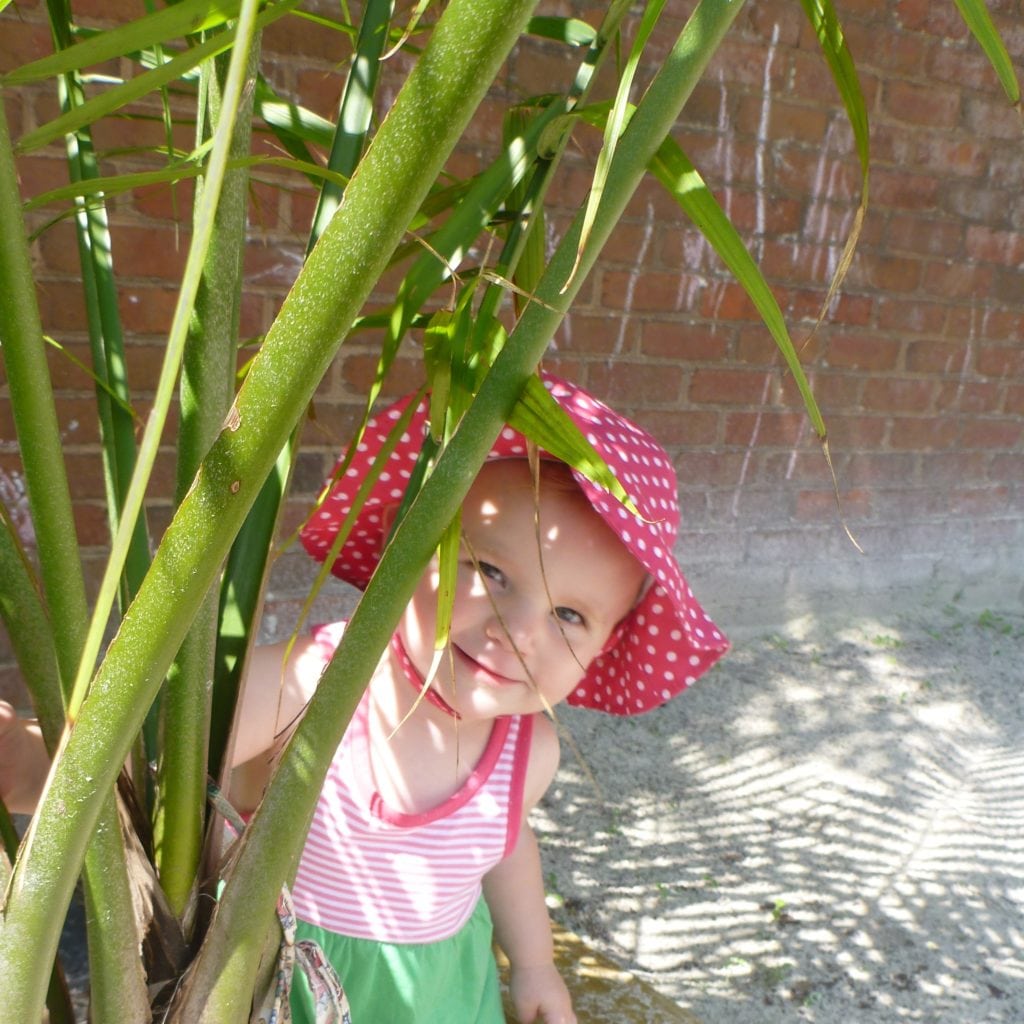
661 646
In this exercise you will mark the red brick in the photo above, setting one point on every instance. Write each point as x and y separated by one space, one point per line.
293 37
779 25
790 121
820 506
888 274
115 12
321 90
765 428
640 383
596 333
992 117
970 396
956 280
91 524
39 173
805 466
726 300
974 201
61 305
20 41
688 342
995 246
902 395
977 502
405 374
743 63
936 357
924 433
275 264
910 315
933 18
649 291
713 469
630 243
1007 467
960 67
727 387
992 433
918 105
897 188
836 392
852 310
681 428
925 236
956 467
1004 165
167 202
794 169
1015 399
874 47
784 261
862 351
146 310
878 468
1000 360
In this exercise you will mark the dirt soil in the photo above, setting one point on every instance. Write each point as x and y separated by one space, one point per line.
829 827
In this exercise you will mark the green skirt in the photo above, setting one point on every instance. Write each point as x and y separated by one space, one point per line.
454 981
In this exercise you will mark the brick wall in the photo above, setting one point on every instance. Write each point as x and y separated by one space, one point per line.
919 369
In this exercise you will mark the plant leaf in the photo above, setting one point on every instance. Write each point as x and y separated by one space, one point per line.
614 127
978 20
135 88
539 417
672 168
826 26
179 19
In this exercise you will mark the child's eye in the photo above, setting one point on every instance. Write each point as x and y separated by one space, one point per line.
570 616
491 572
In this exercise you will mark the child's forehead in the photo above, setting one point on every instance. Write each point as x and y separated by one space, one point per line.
508 483
505 497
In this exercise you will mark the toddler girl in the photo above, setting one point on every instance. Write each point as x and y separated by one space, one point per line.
420 836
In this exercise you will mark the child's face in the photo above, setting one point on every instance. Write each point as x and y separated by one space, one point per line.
507 626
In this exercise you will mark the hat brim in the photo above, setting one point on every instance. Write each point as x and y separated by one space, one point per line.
664 644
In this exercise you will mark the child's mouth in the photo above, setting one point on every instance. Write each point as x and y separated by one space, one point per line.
481 670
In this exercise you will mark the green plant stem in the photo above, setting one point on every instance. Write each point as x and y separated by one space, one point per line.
35 420
50 503
468 44
356 108
207 387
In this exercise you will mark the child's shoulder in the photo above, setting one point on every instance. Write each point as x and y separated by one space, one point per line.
545 753
327 635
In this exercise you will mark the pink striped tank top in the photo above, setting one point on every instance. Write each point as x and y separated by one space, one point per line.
372 872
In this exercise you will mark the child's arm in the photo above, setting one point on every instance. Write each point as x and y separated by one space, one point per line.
514 890
276 692
278 684
24 762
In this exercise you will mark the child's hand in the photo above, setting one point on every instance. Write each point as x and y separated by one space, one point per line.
539 994
24 763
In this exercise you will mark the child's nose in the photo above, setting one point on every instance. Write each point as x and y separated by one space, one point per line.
514 625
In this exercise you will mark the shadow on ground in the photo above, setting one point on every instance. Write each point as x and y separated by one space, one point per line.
829 827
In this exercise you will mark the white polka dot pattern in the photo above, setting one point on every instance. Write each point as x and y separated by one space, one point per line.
666 641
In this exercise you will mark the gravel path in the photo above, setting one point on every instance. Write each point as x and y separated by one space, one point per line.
828 828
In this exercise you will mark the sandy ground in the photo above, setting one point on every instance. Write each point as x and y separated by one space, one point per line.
829 827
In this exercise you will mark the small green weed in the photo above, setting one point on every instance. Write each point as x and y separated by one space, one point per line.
886 641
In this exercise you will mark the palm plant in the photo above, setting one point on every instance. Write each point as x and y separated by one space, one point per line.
147 851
